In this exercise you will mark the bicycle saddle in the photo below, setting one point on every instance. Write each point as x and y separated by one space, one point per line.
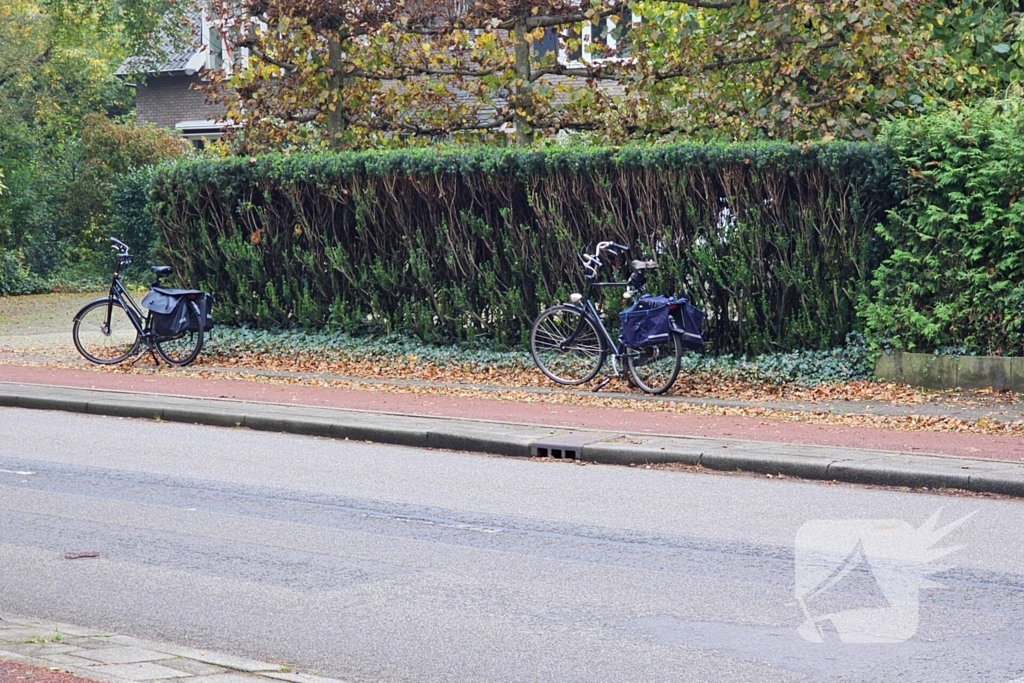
644 265
162 271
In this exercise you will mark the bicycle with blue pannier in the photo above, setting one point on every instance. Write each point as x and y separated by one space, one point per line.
570 343
170 323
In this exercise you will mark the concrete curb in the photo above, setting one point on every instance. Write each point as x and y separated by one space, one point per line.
884 468
99 655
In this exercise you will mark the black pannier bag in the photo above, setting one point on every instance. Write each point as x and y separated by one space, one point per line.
172 311
204 303
690 323
646 322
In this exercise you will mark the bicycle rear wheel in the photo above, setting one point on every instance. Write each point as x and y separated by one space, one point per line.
103 333
654 368
568 364
183 348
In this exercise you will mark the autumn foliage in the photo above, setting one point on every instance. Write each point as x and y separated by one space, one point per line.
358 73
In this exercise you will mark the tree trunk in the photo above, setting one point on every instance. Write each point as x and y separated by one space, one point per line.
336 82
522 105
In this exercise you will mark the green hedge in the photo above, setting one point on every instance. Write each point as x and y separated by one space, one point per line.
774 241
132 220
954 276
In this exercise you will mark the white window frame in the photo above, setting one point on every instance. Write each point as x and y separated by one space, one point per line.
586 56
226 58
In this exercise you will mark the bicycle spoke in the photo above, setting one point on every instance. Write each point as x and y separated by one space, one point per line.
104 334
655 368
561 352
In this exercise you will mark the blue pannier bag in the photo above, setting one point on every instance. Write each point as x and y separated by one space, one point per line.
689 323
204 304
646 322
176 311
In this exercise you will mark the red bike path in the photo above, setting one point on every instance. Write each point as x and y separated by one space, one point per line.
989 446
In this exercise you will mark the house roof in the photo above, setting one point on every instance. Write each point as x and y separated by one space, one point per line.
172 56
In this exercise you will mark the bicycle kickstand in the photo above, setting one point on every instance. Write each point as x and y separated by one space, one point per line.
603 383
140 354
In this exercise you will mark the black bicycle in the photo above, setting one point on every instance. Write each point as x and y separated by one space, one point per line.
570 343
115 328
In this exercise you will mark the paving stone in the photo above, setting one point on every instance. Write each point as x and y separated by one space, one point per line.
72 660
193 667
124 655
232 677
21 634
300 678
79 631
42 649
97 643
141 671
128 641
219 659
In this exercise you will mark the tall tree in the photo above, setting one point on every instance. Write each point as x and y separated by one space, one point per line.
985 41
349 73
56 82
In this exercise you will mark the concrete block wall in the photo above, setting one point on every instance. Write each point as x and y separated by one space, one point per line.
948 372
166 100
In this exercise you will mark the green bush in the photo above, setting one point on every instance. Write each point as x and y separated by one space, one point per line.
774 241
131 221
15 277
954 275
854 361
64 193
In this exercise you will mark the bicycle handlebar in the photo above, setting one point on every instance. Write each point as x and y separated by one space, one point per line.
592 262
124 259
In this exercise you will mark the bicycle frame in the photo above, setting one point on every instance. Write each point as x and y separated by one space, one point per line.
119 293
179 343
590 310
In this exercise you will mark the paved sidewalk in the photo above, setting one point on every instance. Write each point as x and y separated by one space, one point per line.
996 407
609 443
105 656
617 413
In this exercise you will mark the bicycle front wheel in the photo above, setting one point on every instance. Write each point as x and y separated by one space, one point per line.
654 368
182 349
103 333
564 361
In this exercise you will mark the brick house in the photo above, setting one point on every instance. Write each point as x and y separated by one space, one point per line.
168 93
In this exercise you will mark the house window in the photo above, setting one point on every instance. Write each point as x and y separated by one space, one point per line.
546 45
216 46
595 42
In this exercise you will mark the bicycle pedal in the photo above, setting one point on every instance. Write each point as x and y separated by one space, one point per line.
603 383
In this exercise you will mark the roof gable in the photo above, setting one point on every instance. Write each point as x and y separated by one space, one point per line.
171 56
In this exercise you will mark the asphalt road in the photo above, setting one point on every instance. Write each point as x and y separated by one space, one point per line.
381 563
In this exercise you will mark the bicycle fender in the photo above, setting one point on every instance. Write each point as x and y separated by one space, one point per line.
91 303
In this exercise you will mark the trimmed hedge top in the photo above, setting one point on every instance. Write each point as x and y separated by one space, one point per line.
852 158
